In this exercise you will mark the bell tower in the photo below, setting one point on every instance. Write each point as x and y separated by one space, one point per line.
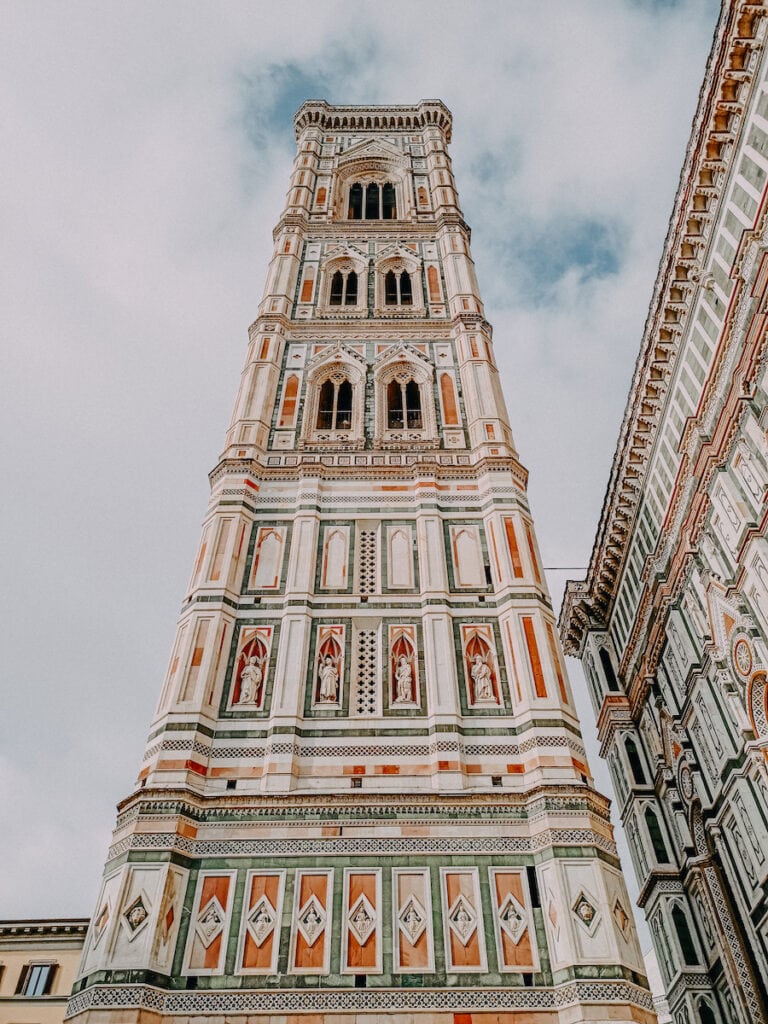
364 789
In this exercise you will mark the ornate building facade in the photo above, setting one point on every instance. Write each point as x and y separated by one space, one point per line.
671 622
364 790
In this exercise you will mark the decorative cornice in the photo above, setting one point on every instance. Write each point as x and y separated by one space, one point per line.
323 115
35 929
291 1001
716 125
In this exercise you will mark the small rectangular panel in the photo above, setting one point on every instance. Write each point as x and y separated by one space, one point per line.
311 922
467 552
513 924
267 558
413 943
209 923
513 548
400 557
260 925
361 936
463 930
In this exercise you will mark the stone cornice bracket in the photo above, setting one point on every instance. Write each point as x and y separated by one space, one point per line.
326 117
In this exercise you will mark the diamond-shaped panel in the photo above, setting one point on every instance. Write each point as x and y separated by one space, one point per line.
512 918
586 912
210 922
462 919
362 920
412 920
261 920
311 920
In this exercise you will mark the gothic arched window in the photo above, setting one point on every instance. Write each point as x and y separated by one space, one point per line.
680 921
343 289
610 675
398 290
657 839
334 408
635 764
403 405
372 201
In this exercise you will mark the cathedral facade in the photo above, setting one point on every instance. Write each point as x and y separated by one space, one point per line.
671 622
364 793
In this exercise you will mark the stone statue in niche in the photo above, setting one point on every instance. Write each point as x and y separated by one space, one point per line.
403 681
481 677
250 682
329 681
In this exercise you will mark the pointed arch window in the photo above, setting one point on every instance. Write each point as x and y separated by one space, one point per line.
372 201
334 408
657 839
343 289
398 290
610 675
684 937
635 764
403 405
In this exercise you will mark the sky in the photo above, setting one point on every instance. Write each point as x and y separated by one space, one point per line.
147 152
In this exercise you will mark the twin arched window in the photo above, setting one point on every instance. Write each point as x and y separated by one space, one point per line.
343 289
372 201
398 290
334 407
403 406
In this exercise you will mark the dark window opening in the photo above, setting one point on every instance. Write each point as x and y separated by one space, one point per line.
231 783
337 288
343 289
657 840
495 780
610 676
533 885
334 407
635 763
684 937
356 202
360 981
706 1016
372 202
388 208
398 290
403 405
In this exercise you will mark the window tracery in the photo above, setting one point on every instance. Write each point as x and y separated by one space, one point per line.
405 408
333 412
372 200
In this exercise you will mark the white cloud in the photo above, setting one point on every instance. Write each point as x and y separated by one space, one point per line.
147 156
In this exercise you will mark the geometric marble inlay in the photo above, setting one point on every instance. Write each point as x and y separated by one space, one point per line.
362 920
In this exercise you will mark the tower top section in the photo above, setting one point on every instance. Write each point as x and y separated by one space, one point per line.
323 115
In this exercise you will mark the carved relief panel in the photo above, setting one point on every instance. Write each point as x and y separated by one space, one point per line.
403 672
